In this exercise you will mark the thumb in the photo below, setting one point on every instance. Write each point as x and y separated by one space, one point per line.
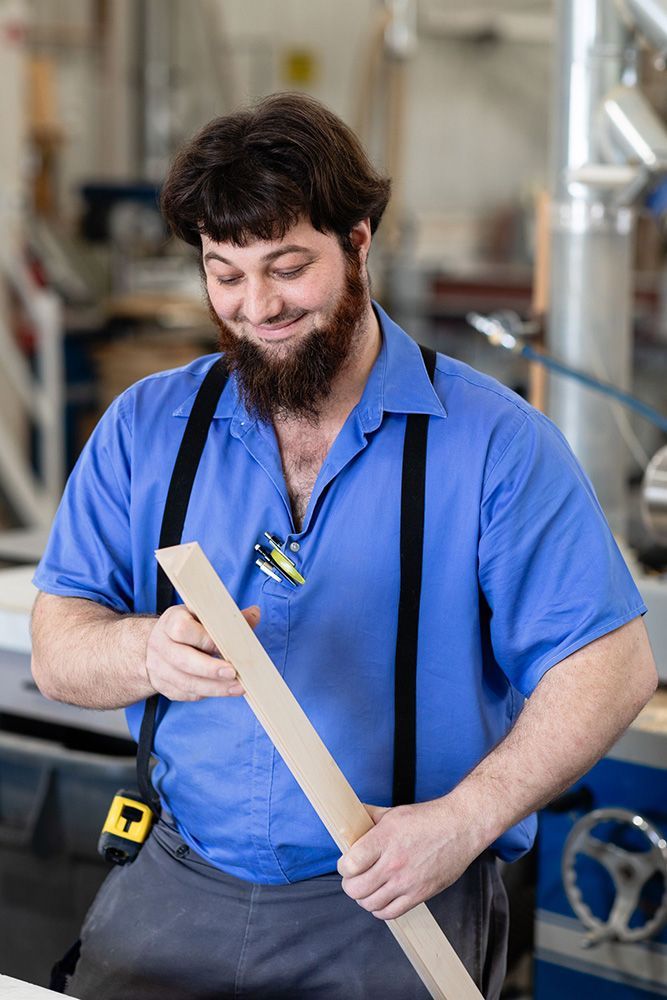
376 812
252 615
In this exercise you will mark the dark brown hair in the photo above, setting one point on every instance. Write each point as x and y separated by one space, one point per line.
254 173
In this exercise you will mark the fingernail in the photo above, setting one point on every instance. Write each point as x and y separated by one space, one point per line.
227 672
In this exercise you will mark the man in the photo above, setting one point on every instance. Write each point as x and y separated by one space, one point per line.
523 595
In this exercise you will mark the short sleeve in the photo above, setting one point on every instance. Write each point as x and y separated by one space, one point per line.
549 567
89 549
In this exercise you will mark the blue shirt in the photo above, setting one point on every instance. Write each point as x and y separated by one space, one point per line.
520 571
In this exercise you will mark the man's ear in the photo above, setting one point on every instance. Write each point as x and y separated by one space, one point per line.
360 237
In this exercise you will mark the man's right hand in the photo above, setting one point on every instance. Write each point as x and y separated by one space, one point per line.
182 661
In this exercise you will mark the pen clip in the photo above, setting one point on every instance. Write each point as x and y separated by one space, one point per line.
279 573
268 569
280 559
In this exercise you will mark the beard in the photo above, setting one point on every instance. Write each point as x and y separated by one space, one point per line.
297 383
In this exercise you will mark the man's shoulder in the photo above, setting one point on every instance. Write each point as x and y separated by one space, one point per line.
174 379
172 387
486 419
465 392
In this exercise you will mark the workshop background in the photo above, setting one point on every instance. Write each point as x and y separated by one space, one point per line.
527 142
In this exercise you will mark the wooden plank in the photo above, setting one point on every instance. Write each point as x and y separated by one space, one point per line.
324 784
16 989
537 390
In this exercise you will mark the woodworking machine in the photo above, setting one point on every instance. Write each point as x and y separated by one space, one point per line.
60 767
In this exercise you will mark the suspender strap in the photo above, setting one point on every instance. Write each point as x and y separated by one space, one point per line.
173 519
413 491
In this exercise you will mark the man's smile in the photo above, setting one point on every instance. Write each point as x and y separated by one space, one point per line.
278 331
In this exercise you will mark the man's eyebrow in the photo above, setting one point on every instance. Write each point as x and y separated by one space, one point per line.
267 258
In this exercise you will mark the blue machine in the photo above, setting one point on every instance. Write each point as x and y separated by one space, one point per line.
601 922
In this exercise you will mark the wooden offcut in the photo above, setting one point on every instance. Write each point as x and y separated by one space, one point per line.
322 781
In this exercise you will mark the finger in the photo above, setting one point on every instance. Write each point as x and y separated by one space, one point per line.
379 900
360 857
252 615
399 906
200 690
376 812
363 886
197 676
195 663
226 670
183 628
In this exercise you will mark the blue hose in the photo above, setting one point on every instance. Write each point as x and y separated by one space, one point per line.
653 416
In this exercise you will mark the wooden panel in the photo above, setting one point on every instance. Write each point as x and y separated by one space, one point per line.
16 989
305 754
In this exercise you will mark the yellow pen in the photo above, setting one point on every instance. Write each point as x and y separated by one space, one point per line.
283 562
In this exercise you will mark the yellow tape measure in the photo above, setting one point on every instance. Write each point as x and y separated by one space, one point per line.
125 829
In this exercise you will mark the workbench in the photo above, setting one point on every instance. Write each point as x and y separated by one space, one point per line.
59 766
19 696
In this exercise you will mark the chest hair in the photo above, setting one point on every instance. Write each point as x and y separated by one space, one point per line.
303 456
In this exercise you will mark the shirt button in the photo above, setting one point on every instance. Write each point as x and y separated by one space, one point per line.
294 546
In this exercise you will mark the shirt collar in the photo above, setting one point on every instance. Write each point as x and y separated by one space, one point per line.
229 401
398 383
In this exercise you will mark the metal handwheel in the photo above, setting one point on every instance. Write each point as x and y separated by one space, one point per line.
629 870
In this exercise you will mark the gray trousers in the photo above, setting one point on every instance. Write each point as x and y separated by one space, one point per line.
170 926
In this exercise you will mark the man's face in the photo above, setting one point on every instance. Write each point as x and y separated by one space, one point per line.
289 313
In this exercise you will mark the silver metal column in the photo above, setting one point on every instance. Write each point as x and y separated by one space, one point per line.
156 43
591 246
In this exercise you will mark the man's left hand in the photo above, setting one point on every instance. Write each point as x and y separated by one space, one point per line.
412 853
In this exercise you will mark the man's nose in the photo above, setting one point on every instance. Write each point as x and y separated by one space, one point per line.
261 303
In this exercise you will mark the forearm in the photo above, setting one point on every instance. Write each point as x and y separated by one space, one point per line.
86 654
578 710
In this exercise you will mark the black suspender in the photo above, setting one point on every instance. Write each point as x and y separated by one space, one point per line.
413 490
173 519
413 484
